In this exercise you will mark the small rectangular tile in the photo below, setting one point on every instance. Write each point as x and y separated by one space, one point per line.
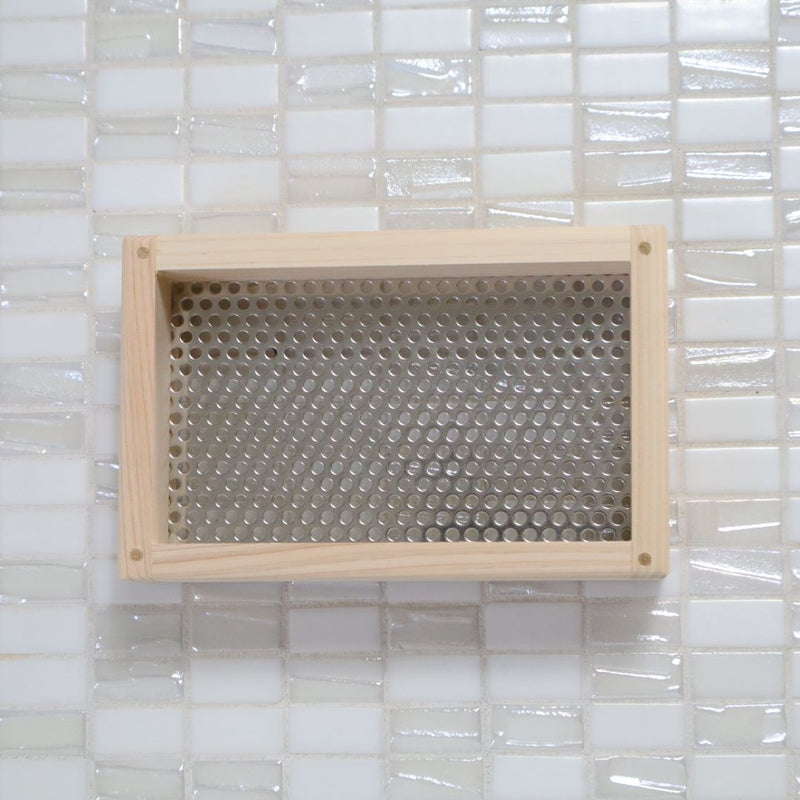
734 522
532 26
623 74
732 470
640 726
335 778
735 623
724 69
253 731
523 729
527 75
425 30
620 777
435 730
636 675
739 725
235 628
441 679
335 680
129 780
325 35
537 777
227 780
45 778
427 77
740 777
533 626
335 729
236 680
137 681
330 630
44 732
433 628
726 368
461 777
534 678
147 731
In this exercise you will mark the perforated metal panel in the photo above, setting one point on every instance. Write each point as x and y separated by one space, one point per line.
491 409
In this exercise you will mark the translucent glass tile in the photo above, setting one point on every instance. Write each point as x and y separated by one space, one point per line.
233 135
43 732
524 728
727 270
155 780
529 590
461 777
618 676
727 171
335 680
142 681
428 218
42 286
238 628
43 434
789 21
514 338
143 634
233 38
42 384
639 172
637 121
793 417
22 189
435 730
790 214
428 178
432 628
233 223
727 571
528 214
739 725
789 117
715 368
634 623
25 583
234 780
427 77
149 137
330 84
127 38
725 70
43 91
738 523
640 777
106 480
106 332
330 179
792 357
136 6
524 26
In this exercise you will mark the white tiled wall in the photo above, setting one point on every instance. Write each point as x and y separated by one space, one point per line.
227 116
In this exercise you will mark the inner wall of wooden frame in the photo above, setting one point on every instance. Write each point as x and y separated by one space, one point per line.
489 409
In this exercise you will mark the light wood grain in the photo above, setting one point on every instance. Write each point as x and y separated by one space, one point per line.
388 254
392 561
649 411
145 396
143 409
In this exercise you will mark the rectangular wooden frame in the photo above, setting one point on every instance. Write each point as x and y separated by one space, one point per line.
150 266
